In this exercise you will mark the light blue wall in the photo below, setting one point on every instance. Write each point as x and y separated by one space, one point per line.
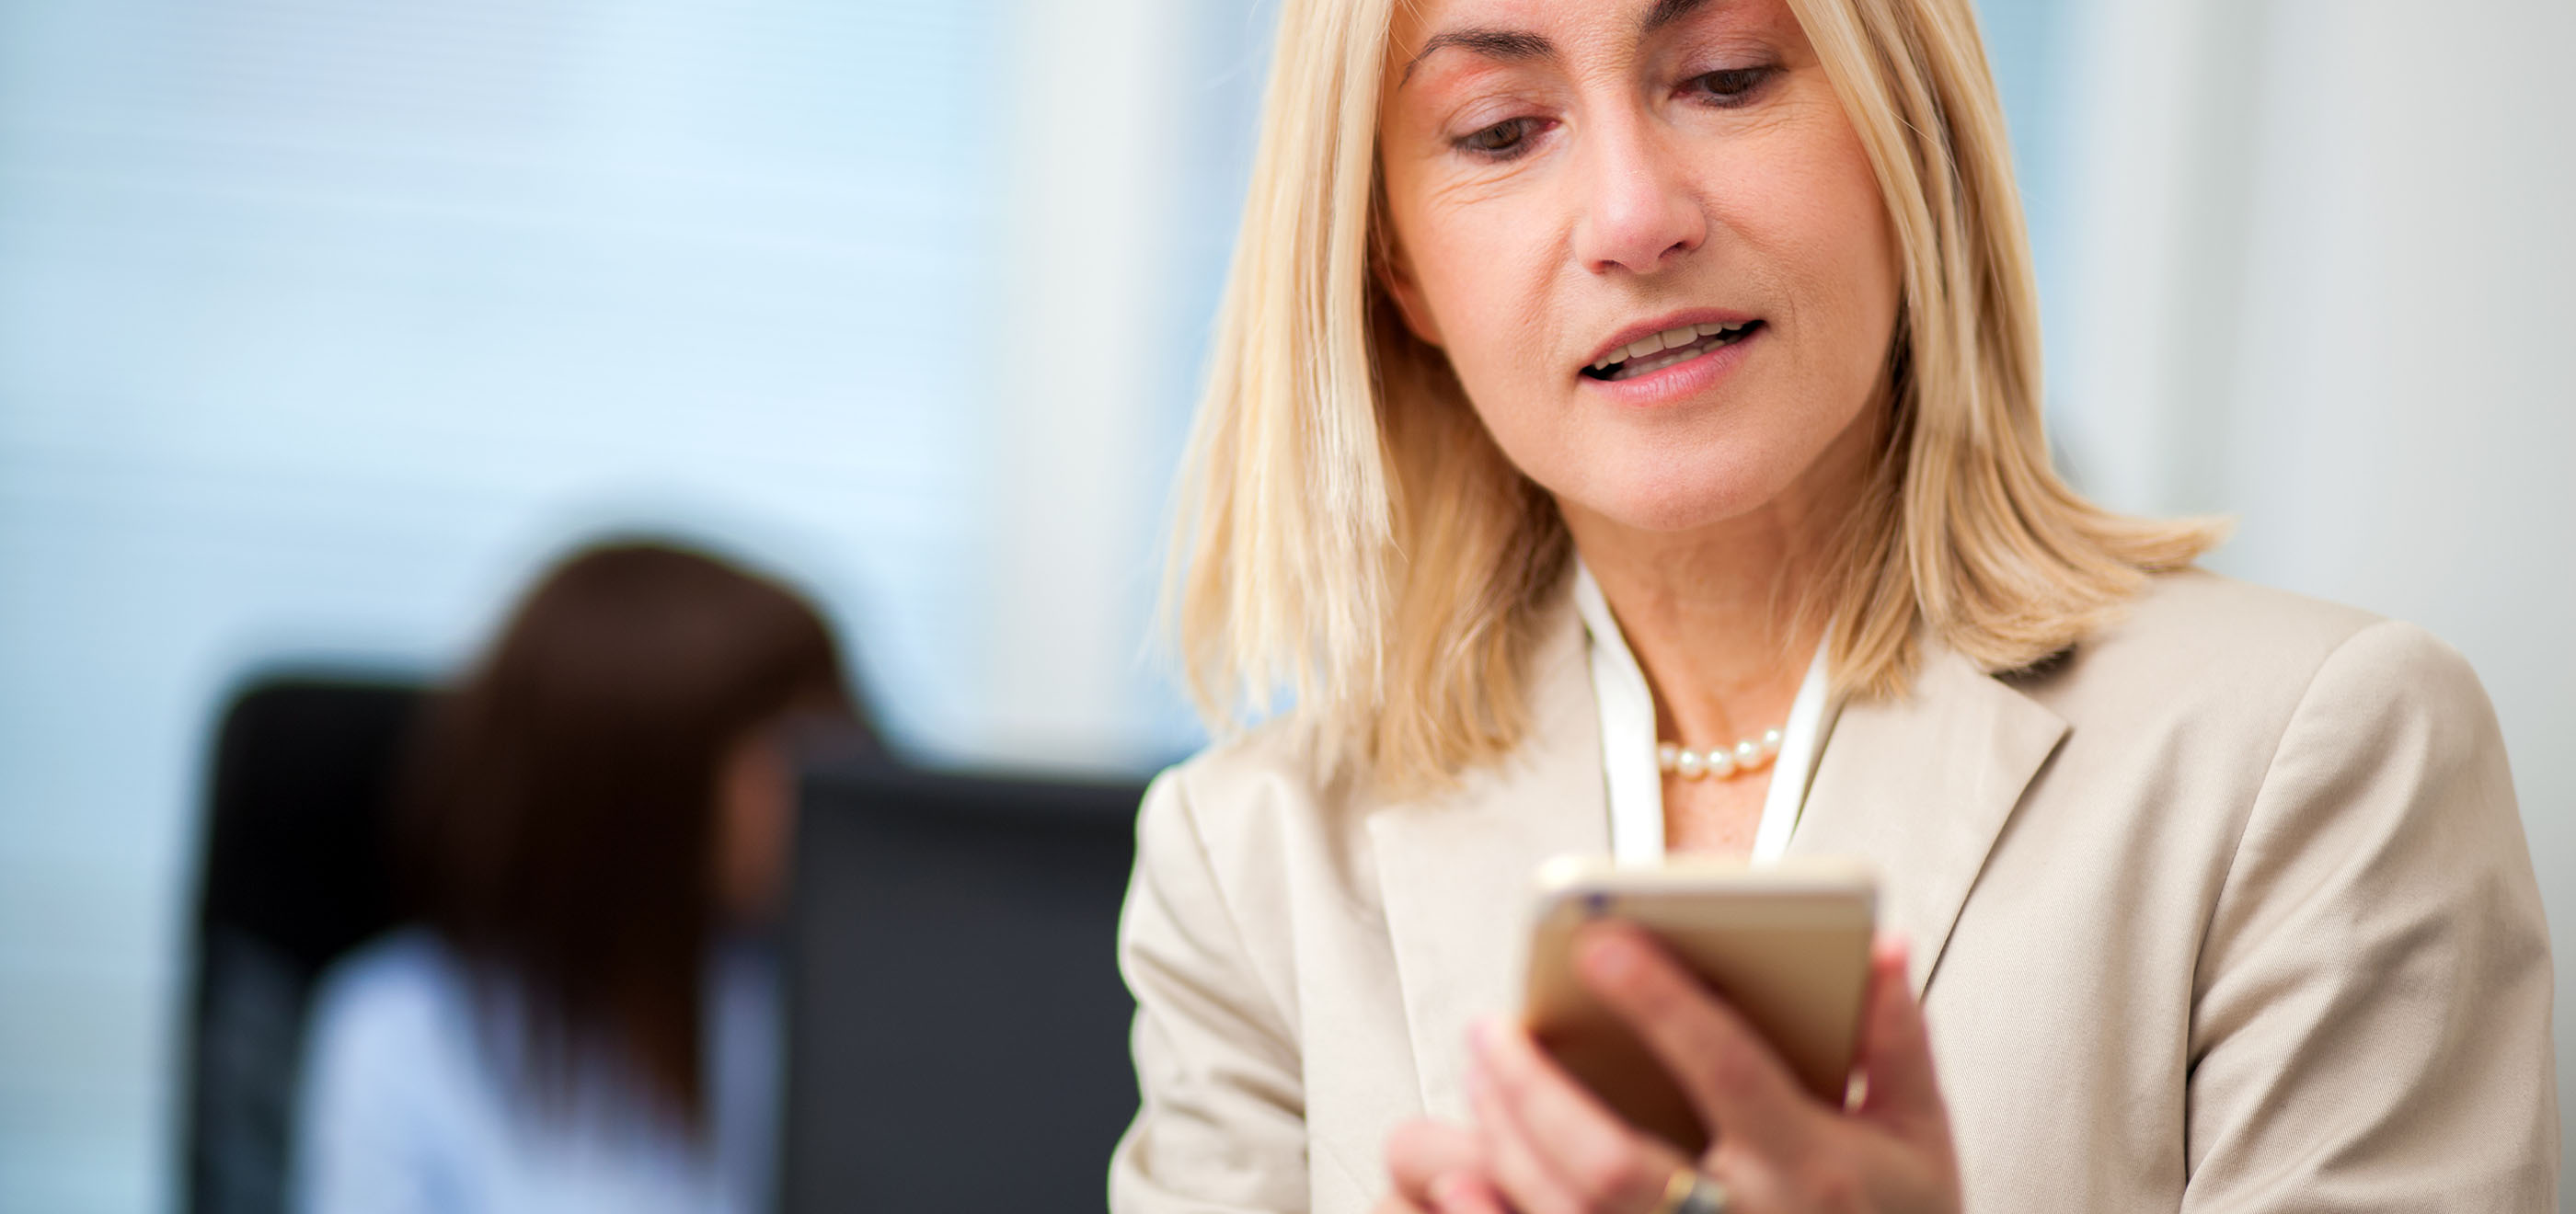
322 323
2027 43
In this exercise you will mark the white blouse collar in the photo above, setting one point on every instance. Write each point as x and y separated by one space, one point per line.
1629 774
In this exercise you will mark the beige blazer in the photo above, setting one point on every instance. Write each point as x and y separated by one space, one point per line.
2228 908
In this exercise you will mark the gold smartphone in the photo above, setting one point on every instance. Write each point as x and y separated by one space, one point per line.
1786 945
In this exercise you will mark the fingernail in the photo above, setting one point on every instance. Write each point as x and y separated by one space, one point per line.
1449 1190
1610 959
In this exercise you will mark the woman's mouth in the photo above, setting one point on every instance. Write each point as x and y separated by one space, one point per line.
1647 355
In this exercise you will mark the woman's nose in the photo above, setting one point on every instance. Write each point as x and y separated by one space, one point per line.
1639 212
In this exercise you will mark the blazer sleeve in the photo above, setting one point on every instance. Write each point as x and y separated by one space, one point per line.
2371 1025
1221 1122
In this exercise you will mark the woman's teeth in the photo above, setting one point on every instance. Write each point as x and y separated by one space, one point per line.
1647 355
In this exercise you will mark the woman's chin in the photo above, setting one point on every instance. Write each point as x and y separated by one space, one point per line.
1664 504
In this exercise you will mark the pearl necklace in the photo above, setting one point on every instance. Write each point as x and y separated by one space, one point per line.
1718 762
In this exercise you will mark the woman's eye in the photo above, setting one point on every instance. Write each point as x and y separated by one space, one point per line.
1729 86
1501 141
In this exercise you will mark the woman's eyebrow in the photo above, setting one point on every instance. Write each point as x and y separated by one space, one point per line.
1666 12
1507 45
1522 45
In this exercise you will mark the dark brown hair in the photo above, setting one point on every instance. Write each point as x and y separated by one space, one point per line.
563 805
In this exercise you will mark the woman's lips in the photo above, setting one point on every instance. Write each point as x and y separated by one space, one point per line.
1667 349
1676 374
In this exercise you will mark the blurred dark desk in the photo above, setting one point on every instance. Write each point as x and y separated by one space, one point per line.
957 1030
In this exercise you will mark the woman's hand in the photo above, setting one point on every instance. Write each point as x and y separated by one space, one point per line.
1542 1144
1438 1169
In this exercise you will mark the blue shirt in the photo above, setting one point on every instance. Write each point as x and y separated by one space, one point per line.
408 1105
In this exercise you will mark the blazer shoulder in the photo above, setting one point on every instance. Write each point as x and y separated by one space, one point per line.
2200 647
1247 797
2196 630
2196 611
1272 766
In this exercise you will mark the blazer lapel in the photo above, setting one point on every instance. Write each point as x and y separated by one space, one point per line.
1921 787
1456 868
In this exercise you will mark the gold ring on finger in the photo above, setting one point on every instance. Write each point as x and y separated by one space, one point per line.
1692 1192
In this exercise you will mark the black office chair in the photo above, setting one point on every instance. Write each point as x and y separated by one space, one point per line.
294 876
957 1030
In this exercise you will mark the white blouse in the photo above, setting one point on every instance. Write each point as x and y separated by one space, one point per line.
1628 769
412 1105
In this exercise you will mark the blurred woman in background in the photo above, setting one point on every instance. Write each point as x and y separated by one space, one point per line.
597 831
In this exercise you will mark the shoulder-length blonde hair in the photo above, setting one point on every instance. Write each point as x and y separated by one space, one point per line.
1348 532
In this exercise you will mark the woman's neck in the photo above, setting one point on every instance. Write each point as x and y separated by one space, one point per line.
1715 615
1714 627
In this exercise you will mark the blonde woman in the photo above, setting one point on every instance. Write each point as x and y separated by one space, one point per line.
1624 438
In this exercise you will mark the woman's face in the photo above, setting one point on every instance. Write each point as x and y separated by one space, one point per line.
755 815
1572 183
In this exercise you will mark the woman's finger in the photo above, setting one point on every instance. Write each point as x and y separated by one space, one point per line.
1606 1164
1419 1153
1516 1165
1466 1193
1721 1063
1896 1048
